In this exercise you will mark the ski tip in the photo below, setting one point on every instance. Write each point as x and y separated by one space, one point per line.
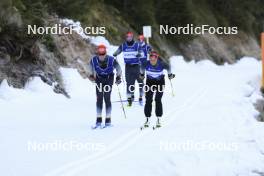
107 126
142 128
93 127
96 127
156 127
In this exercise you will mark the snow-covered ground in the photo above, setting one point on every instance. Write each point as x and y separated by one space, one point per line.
209 127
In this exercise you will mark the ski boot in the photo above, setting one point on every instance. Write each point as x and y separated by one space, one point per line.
98 123
140 100
129 100
132 97
146 124
107 122
158 124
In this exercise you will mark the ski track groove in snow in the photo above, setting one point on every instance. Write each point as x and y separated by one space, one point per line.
125 141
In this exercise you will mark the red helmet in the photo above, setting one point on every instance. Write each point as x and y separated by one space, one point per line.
129 36
154 54
101 49
141 38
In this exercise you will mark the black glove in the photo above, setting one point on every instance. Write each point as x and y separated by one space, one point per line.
138 55
171 76
91 78
114 54
118 80
142 76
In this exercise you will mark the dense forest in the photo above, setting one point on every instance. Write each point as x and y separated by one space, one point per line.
248 16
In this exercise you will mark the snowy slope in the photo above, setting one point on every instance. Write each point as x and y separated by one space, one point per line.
210 127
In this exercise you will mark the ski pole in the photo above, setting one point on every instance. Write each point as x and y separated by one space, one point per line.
122 76
172 90
121 102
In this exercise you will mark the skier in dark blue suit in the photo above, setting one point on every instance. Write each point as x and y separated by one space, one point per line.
102 68
131 54
155 84
144 48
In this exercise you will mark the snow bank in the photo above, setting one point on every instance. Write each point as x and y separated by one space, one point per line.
37 85
77 27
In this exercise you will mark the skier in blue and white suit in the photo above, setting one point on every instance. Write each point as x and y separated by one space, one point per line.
131 54
144 48
102 68
155 84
